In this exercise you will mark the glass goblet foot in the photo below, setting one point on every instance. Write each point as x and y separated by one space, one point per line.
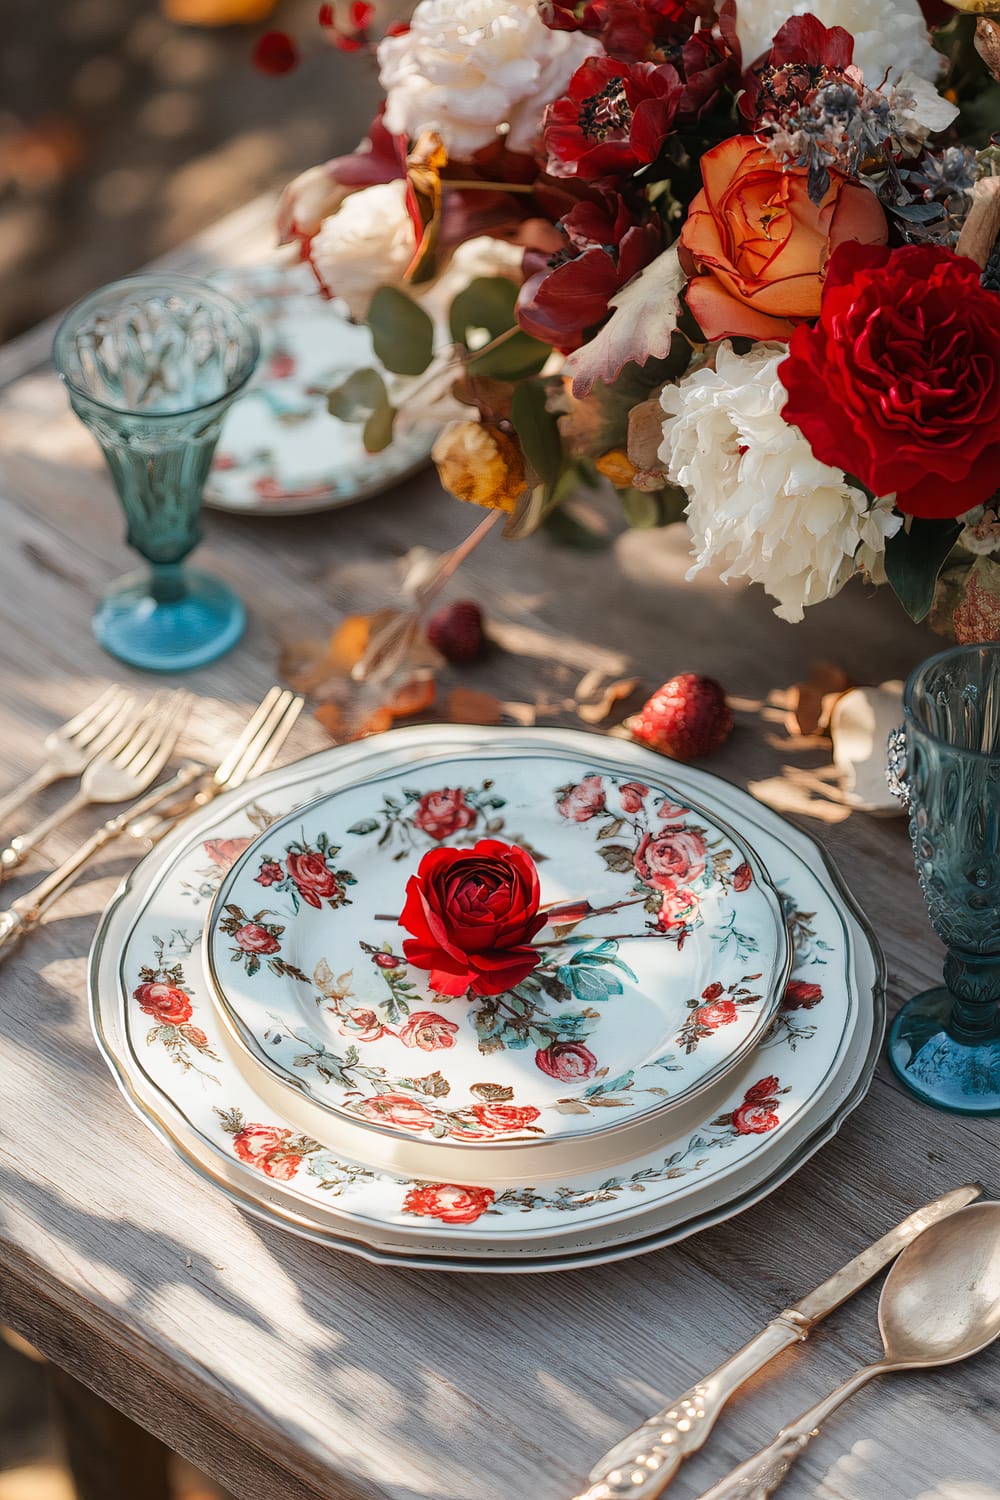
169 625
951 1065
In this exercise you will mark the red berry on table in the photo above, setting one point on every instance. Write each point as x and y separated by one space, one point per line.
686 718
456 630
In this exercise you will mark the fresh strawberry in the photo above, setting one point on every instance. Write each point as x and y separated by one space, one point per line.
456 630
686 718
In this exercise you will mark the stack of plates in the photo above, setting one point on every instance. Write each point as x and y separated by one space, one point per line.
677 1053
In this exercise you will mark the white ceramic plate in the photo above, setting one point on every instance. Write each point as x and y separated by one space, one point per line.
281 452
820 1057
669 982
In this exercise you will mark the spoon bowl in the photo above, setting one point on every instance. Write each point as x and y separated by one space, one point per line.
941 1301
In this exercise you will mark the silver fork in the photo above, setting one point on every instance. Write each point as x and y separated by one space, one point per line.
253 753
70 748
125 768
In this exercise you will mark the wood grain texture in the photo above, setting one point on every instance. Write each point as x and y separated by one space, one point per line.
291 1372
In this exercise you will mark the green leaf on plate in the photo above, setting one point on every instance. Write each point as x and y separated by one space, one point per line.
913 560
402 333
378 429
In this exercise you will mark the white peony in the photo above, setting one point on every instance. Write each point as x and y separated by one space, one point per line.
467 67
890 36
367 243
759 502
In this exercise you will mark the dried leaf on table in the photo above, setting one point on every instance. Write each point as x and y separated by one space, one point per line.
396 639
812 700
330 716
467 706
602 703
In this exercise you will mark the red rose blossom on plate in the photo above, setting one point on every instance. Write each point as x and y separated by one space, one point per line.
567 1061
448 1202
712 991
800 996
428 1031
583 801
166 1003
270 873
672 856
763 1089
754 1119
225 852
719 1013
266 1148
897 382
473 914
502 1118
253 938
363 1024
314 880
742 878
678 908
441 814
631 795
401 1110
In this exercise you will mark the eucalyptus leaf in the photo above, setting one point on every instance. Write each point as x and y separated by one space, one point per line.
538 432
486 303
378 429
517 358
402 333
913 560
362 393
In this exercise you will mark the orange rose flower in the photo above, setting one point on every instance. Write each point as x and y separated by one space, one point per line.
761 245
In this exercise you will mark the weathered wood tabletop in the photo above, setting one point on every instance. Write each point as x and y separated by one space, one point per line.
287 1370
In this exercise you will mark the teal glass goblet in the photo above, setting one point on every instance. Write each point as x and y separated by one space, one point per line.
151 365
945 763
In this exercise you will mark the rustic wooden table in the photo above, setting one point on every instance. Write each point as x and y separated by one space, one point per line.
287 1370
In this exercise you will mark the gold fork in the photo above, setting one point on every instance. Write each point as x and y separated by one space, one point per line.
70 748
124 769
254 751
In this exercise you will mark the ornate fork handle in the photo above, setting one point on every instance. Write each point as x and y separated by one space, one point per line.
643 1464
759 1476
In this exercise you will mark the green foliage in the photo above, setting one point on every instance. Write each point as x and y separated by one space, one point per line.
538 432
402 333
913 560
487 304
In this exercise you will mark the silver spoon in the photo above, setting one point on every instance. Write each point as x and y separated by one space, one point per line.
940 1303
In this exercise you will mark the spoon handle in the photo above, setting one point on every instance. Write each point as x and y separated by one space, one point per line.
759 1476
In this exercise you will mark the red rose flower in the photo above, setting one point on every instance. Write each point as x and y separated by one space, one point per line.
428 1031
270 873
363 1024
164 1002
473 914
400 1110
613 118
712 991
712 1016
265 1147
800 996
314 880
255 939
448 1202
225 852
678 908
897 382
441 814
567 1061
670 857
502 1118
754 1119
763 1089
566 295
742 877
583 801
632 794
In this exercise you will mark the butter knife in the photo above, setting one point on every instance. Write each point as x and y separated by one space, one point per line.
643 1464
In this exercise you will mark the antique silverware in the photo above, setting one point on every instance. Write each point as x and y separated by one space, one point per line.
124 769
940 1303
70 748
643 1464
253 752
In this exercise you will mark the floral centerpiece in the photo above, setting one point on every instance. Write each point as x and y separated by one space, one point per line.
740 261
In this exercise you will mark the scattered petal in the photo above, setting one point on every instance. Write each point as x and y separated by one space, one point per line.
640 328
466 706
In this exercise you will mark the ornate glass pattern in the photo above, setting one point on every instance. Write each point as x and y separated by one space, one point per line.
152 364
945 1043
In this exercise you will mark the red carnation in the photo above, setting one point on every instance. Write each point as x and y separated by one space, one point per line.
473 914
897 382
613 118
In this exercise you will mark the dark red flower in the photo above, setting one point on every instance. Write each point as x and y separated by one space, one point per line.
502 1118
567 1061
720 1013
386 960
448 1202
270 873
800 996
313 878
612 120
755 1119
763 1089
897 382
804 55
275 52
607 242
633 30
473 914
712 991
742 877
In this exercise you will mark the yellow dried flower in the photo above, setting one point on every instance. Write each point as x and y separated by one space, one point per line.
616 466
478 461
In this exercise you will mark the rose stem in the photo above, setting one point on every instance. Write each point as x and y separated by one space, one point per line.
597 911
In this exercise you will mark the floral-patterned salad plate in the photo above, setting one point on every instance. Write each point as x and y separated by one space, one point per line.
181 1069
660 968
281 452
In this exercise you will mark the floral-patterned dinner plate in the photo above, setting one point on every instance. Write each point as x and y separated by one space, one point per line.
669 981
280 451
156 1026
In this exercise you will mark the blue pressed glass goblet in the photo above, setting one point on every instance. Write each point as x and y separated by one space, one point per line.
151 365
945 762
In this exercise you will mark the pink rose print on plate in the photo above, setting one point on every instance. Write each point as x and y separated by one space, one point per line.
166 1003
678 909
567 1061
270 873
673 857
363 1025
448 1202
500 1119
632 795
313 878
800 996
225 852
719 1013
428 1031
253 938
400 1110
266 1147
583 801
443 814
